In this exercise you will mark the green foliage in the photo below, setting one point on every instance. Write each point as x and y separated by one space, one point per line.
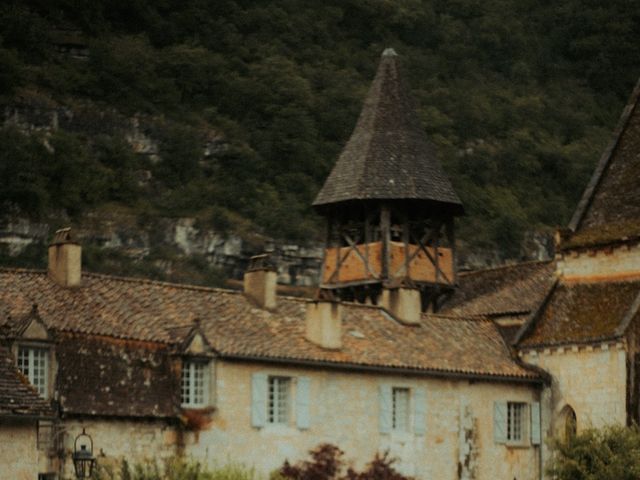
519 96
612 453
175 468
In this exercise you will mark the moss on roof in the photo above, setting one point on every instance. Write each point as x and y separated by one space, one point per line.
582 313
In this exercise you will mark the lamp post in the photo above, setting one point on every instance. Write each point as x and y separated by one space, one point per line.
83 459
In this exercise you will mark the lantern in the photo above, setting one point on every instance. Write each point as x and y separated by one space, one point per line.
83 459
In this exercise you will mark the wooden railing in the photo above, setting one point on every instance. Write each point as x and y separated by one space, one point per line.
363 263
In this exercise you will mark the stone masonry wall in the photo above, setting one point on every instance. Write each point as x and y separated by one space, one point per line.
18 452
115 440
344 410
590 379
618 262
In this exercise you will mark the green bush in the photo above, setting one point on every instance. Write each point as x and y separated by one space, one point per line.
612 453
173 469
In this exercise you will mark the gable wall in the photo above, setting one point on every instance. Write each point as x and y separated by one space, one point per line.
599 264
344 410
591 379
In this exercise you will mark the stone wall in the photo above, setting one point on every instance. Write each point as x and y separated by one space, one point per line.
117 439
18 450
597 264
591 379
344 410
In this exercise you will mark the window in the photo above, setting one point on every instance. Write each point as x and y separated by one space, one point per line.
33 364
194 384
400 409
568 423
516 421
278 401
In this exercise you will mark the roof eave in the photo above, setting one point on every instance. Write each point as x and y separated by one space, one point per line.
356 367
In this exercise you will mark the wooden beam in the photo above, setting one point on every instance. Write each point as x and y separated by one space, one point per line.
385 231
354 247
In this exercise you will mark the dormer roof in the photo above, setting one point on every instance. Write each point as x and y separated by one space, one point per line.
388 156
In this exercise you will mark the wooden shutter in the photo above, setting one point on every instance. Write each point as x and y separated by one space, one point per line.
302 403
386 408
500 422
419 411
258 399
535 423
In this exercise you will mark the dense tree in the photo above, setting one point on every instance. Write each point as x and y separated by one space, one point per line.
519 97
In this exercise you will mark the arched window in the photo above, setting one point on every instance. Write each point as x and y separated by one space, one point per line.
568 425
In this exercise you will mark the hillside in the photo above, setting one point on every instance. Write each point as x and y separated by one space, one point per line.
232 112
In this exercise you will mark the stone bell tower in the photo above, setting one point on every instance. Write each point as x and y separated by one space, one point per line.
389 205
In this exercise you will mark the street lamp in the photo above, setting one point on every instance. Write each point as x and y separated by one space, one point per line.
83 459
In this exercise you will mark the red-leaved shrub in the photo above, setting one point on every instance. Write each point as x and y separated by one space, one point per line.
326 464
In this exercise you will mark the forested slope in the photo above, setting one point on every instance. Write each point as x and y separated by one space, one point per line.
520 96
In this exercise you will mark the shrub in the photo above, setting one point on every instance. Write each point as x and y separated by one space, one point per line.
174 468
327 464
612 453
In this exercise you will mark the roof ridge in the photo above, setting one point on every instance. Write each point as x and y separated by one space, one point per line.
21 270
466 318
185 286
505 266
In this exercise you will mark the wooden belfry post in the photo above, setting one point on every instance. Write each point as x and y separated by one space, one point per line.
389 205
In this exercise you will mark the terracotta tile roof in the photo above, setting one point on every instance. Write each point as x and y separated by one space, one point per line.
151 311
501 291
107 376
582 313
388 155
373 338
610 206
17 396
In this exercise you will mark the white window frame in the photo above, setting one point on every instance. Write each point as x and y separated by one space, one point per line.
279 399
27 361
194 383
401 409
516 429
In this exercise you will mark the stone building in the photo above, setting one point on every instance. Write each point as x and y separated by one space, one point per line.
459 376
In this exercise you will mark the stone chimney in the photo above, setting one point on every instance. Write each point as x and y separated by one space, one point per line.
403 303
65 259
324 323
260 281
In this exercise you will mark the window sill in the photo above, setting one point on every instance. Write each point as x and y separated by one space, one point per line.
401 436
518 445
197 408
279 428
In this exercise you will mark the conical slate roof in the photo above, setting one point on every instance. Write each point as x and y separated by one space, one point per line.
388 155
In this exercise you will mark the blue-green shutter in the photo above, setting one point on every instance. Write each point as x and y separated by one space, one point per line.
500 422
535 423
386 408
258 399
420 411
302 403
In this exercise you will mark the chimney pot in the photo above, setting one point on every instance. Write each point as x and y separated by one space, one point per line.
65 259
403 303
324 323
260 281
